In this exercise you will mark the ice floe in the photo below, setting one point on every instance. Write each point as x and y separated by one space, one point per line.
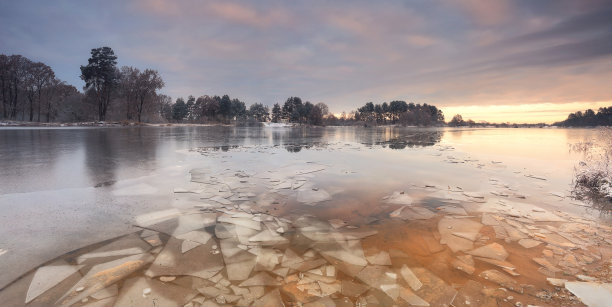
224 244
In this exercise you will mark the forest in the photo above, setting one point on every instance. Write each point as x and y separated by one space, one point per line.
400 112
588 118
31 92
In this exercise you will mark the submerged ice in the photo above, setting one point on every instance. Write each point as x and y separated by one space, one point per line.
233 240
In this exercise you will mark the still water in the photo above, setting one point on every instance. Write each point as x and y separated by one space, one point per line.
69 188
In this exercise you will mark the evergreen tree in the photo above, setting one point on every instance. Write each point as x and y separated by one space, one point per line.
179 110
259 112
101 76
276 113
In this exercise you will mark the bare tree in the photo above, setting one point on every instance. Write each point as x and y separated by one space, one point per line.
147 84
15 76
57 92
323 107
4 84
39 76
30 86
127 87
164 107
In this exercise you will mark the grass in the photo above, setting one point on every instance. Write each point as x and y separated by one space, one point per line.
593 175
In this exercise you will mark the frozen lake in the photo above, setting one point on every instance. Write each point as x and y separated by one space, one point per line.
422 198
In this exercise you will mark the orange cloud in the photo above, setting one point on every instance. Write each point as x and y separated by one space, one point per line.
246 15
421 40
229 11
160 7
486 12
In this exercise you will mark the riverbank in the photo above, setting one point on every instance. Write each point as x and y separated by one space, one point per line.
102 124
237 124
135 124
12 123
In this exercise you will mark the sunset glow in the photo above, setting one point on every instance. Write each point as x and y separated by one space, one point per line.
526 113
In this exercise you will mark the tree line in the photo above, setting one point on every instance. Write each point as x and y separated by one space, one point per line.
30 92
603 117
400 112
224 109
221 109
458 121
588 118
133 90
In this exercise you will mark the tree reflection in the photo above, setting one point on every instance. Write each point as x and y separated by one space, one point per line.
24 151
414 140
108 150
293 148
296 140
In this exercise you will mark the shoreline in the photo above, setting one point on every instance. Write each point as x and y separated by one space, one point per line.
98 124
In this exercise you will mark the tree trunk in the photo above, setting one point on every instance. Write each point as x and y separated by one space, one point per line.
31 99
105 104
14 102
39 103
48 109
140 107
101 111
100 106
49 97
4 100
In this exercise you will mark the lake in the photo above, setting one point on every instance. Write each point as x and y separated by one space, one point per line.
347 215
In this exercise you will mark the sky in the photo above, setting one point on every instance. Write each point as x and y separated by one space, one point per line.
500 61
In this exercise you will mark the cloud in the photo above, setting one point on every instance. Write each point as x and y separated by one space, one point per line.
231 12
160 7
242 14
486 12
421 40
585 25
448 53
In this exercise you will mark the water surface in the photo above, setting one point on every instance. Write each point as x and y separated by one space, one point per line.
67 188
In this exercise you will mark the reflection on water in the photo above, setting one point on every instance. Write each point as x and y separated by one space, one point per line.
106 152
329 216
39 159
391 137
418 139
